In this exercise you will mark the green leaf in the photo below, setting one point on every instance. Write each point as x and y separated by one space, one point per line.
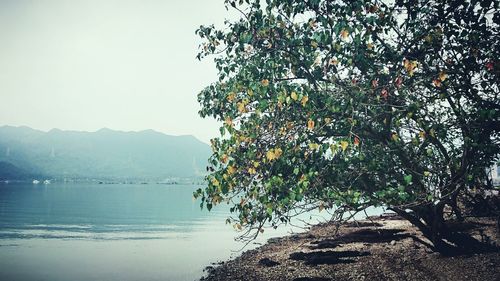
269 211
408 179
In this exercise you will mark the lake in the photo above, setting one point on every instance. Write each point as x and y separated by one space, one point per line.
86 231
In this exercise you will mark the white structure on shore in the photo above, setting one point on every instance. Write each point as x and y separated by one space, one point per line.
493 173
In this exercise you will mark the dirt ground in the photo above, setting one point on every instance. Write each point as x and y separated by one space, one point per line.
385 248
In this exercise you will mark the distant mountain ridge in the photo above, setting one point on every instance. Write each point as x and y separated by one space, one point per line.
102 154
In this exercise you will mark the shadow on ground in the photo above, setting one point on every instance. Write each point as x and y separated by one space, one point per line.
363 236
328 257
341 257
362 224
311 279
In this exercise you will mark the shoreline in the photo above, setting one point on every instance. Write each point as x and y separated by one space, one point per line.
381 248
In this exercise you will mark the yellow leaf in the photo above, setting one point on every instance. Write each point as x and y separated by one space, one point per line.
256 164
432 132
224 158
394 137
250 92
333 148
270 155
265 82
231 96
344 34
406 63
410 66
229 121
314 44
231 170
313 146
280 105
421 134
278 152
304 100
215 182
310 124
274 154
252 170
294 96
443 76
283 131
241 107
344 145
426 173
313 24
369 46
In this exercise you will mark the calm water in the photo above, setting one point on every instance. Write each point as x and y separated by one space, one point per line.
110 232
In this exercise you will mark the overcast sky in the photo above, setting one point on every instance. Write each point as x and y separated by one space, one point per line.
124 65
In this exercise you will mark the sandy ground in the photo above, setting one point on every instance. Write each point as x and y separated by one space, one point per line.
382 249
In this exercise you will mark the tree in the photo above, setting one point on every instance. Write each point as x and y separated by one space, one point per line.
351 104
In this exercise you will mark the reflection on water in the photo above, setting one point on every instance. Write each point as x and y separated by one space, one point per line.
110 232
94 211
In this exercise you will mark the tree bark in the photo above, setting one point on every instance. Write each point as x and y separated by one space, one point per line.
430 221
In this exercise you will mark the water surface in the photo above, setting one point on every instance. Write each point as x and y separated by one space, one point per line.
111 232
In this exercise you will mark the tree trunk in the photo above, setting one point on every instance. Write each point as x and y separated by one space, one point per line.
430 221
438 232
454 207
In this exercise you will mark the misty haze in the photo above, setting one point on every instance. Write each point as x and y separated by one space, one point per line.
257 140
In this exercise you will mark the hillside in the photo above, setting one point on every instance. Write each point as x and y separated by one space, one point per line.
102 154
11 172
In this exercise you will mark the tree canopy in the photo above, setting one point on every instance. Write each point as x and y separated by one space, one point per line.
349 104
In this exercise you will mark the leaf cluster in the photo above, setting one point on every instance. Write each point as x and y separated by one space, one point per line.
350 104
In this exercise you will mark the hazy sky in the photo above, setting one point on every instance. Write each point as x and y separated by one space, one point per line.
124 65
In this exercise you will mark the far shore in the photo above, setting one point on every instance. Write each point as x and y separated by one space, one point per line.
382 248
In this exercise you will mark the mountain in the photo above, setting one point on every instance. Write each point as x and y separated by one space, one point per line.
11 172
102 154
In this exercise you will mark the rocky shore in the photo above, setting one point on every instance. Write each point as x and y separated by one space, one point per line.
382 248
